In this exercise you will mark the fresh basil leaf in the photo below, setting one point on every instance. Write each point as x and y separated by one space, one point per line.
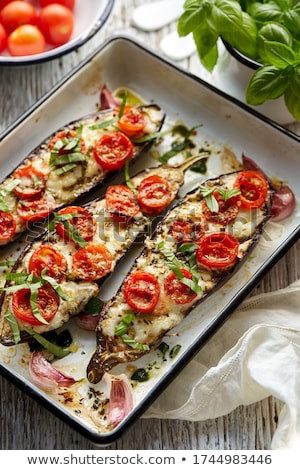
34 307
225 16
124 324
174 351
94 306
292 101
57 287
279 55
134 344
264 12
228 193
268 82
5 191
190 18
53 348
13 326
127 177
104 124
147 138
245 38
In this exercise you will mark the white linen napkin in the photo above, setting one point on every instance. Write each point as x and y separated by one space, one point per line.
255 354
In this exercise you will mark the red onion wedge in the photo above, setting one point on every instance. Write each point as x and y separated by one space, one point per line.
120 397
283 199
107 99
45 376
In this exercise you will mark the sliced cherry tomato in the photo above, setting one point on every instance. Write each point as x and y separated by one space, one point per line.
32 182
3 38
49 259
185 231
82 220
56 23
121 202
154 194
26 40
142 291
7 226
112 150
17 13
35 209
132 121
217 250
66 3
228 209
176 290
92 262
47 304
254 189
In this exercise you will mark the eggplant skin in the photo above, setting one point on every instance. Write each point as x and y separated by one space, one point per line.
81 181
150 328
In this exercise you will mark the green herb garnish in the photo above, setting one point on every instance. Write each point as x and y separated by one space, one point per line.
13 326
266 31
140 375
5 191
177 147
66 153
124 324
51 347
134 344
71 231
94 306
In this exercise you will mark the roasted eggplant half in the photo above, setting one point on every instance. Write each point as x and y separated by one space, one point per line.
72 162
197 245
57 274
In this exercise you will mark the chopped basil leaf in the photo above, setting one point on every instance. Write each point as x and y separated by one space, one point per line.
127 177
140 375
122 107
227 194
13 326
70 229
5 191
124 324
66 153
146 138
7 263
134 344
174 351
53 348
177 147
104 124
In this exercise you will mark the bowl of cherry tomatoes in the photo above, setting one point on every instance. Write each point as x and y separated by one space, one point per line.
33 31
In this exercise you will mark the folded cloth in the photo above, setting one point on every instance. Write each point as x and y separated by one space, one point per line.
255 354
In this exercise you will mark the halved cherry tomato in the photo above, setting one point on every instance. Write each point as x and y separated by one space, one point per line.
82 220
47 304
7 226
66 3
56 23
185 231
142 291
176 290
3 38
228 210
35 209
132 121
121 202
32 182
217 250
112 150
154 194
254 188
17 13
49 259
92 262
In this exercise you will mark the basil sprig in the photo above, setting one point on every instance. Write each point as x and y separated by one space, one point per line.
211 201
71 231
176 266
267 32
58 351
5 191
66 153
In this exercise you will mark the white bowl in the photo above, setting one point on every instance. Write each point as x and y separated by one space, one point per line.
90 16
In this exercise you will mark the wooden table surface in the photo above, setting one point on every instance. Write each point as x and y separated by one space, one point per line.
25 424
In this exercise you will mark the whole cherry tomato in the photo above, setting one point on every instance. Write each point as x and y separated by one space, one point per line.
56 23
66 3
3 38
17 13
26 40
